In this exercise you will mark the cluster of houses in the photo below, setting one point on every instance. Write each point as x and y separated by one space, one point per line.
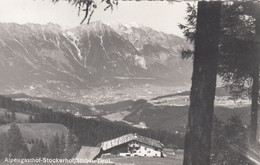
78 114
126 145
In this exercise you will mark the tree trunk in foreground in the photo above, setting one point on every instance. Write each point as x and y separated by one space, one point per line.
254 105
198 133
255 86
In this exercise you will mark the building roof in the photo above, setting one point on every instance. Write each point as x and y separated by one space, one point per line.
127 138
87 152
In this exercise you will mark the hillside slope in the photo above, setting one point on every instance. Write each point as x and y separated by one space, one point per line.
56 105
175 118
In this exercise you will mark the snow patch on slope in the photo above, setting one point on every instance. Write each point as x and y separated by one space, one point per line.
21 45
75 40
140 61
78 50
132 24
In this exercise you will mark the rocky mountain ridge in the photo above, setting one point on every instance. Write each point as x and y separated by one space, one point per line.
45 60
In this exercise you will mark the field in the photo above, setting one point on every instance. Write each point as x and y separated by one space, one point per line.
119 116
44 131
20 117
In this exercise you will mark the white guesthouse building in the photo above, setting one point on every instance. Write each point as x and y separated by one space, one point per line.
133 145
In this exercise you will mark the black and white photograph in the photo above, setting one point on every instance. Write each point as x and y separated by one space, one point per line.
115 82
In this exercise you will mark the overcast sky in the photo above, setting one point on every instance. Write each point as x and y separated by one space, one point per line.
162 16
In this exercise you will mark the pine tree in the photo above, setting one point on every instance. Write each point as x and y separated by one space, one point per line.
62 144
30 119
3 145
239 53
239 65
228 139
72 146
198 133
13 116
255 77
54 147
39 149
71 139
89 7
16 145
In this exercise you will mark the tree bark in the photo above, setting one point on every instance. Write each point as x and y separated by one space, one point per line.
254 105
255 86
198 133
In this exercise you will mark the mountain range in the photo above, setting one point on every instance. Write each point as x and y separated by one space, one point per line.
72 64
